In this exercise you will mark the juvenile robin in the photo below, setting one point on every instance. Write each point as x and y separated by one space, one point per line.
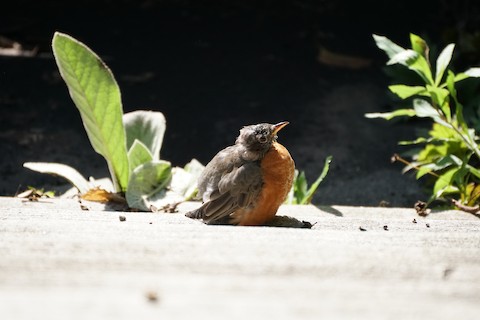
246 183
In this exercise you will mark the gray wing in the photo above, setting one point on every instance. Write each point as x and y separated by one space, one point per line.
215 169
235 189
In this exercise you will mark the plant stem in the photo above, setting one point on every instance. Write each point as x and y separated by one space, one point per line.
396 157
470 144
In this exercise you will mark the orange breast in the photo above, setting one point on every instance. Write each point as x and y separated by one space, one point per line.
278 171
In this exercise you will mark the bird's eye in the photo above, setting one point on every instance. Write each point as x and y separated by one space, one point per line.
262 139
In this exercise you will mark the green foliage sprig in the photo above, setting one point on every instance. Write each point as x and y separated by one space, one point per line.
449 152
301 193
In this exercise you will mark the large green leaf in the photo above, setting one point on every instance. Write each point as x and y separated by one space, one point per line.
440 164
473 72
451 85
421 67
391 115
431 153
424 109
404 57
473 170
147 127
443 61
146 182
96 94
460 76
419 45
404 91
439 97
390 48
443 185
437 94
444 133
415 62
61 170
423 170
451 79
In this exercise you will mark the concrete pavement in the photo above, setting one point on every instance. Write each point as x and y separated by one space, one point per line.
61 262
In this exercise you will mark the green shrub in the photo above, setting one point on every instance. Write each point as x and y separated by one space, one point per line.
449 151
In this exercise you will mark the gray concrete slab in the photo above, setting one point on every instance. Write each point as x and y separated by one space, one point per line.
61 262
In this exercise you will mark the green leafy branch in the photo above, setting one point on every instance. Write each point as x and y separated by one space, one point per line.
450 151
300 192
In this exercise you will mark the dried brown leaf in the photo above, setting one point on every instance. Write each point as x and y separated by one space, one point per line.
104 196
421 208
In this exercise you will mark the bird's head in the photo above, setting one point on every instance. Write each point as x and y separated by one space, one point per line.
258 138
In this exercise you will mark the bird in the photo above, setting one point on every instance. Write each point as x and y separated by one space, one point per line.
245 184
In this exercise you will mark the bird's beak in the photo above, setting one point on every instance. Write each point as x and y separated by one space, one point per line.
279 126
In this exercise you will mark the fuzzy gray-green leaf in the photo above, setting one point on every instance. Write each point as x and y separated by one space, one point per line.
61 170
147 127
146 181
138 154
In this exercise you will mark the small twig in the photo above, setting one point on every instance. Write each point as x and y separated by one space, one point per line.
469 209
168 208
396 157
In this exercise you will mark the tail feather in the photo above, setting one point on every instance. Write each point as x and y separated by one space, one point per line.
195 214
200 214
